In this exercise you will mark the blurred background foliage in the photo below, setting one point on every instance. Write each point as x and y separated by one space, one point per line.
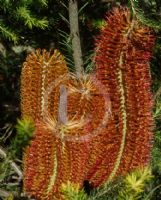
26 25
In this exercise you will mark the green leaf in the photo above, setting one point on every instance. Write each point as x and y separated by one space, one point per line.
29 20
8 33
25 127
44 2
72 191
134 184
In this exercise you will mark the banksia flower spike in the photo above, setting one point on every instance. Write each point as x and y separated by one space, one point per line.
40 162
46 164
41 74
55 154
123 52
83 95
51 160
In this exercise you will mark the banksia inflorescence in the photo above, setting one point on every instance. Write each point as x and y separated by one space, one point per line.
38 74
94 127
123 52
60 144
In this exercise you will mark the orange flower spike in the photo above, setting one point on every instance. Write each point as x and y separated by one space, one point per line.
82 98
41 74
42 165
107 140
53 158
141 126
122 64
51 135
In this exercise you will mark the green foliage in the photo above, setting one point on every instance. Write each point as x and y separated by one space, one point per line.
43 2
8 33
29 20
134 184
109 191
66 48
25 129
23 12
10 175
130 187
73 192
147 12
4 169
9 86
156 152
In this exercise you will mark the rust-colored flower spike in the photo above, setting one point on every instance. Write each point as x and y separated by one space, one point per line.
60 150
123 52
50 161
41 74
46 164
82 97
